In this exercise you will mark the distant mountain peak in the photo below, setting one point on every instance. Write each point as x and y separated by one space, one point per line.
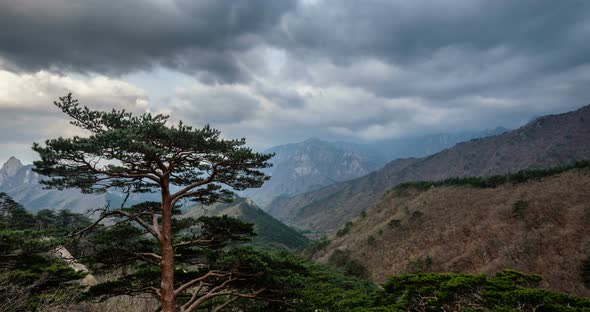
13 160
10 168
313 140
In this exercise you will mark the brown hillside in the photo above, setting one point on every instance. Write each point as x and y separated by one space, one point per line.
548 141
467 229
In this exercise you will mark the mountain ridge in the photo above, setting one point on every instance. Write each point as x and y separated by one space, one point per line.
535 225
546 141
269 231
314 163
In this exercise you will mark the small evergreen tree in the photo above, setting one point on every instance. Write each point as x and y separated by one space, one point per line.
30 275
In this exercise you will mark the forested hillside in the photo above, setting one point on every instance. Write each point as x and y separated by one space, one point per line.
32 278
269 231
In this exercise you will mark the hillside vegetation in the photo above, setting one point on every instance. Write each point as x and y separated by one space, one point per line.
34 280
537 226
269 231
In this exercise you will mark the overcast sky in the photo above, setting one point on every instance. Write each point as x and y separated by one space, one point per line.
282 71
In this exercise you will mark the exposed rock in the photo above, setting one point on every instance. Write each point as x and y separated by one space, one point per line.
62 253
9 169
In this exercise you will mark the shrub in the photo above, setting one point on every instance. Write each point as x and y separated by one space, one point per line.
519 207
394 223
420 265
371 240
506 291
345 230
316 246
492 181
342 260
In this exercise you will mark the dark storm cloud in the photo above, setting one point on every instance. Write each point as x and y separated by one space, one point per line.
280 71
113 37
460 63
402 31
442 48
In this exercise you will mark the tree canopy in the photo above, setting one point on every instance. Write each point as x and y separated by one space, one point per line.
142 153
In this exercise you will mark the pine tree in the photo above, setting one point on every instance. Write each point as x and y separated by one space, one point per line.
142 153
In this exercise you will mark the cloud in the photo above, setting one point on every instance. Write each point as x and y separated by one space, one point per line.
27 114
282 71
202 38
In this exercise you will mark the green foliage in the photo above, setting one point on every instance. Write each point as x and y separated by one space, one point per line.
506 291
342 260
13 215
363 214
519 207
271 232
141 153
371 240
492 181
315 247
420 265
137 152
330 290
345 230
30 277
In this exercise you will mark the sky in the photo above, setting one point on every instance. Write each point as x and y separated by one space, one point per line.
277 72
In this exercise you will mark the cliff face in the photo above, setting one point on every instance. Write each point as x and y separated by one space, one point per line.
544 142
312 164
9 169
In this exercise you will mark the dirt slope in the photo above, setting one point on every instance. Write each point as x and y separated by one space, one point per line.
468 229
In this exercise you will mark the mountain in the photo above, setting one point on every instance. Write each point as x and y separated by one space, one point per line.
536 225
9 169
427 145
298 168
269 230
22 184
547 141
314 163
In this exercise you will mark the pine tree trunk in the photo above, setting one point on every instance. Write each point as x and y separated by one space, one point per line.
168 299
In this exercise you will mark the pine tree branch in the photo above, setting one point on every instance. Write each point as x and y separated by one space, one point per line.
182 193
193 242
209 274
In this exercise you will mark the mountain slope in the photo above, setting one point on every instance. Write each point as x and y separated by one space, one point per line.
544 142
269 230
312 164
22 184
539 226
